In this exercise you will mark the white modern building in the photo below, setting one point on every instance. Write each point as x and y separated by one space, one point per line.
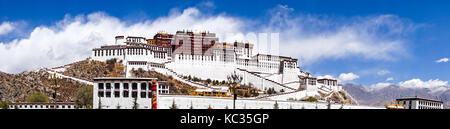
120 92
420 103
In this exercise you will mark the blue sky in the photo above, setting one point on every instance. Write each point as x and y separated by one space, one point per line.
423 39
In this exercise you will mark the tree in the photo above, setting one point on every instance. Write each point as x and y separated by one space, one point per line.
37 97
311 99
275 106
100 103
84 97
5 104
174 106
234 79
192 106
118 106
208 81
328 104
135 104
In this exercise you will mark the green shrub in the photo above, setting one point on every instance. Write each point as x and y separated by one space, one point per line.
37 97
311 99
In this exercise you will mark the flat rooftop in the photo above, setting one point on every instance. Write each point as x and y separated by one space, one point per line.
418 98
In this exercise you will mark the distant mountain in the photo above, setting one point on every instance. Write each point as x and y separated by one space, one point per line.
381 96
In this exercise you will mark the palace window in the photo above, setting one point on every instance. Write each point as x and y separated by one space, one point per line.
108 86
134 86
117 94
108 94
143 95
100 85
125 86
101 94
143 86
125 94
134 94
116 86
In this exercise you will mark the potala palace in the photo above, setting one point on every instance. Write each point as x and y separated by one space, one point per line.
202 55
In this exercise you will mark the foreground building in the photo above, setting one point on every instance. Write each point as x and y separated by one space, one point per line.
420 103
123 93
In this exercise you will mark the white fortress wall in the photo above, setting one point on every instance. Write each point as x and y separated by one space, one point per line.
202 69
259 82
201 102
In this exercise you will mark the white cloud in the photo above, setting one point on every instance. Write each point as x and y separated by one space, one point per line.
345 77
307 37
442 60
418 83
383 72
73 38
6 27
390 79
380 85
315 37
325 76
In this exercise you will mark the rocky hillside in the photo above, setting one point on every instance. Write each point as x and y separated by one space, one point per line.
16 87
89 69
379 97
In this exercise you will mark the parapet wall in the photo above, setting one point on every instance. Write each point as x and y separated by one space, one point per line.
202 102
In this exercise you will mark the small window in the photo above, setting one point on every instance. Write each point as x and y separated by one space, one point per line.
108 94
125 86
125 94
116 94
116 86
100 86
108 85
134 94
143 86
101 94
143 95
134 86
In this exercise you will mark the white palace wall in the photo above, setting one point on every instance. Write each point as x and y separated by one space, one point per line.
203 102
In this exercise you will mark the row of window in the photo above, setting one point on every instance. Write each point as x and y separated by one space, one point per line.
134 86
42 106
429 103
422 107
125 94
120 52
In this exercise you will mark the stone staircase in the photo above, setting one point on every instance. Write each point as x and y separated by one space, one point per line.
277 84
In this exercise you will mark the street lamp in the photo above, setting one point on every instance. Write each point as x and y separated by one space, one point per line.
53 77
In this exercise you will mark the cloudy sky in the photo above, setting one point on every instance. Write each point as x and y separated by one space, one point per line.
374 43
